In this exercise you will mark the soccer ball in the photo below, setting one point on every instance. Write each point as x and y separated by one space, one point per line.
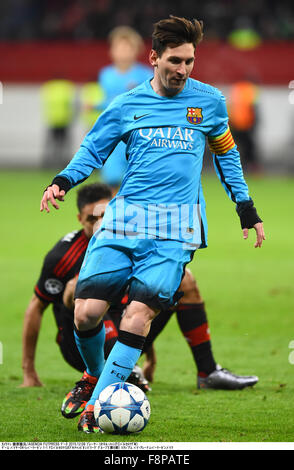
122 408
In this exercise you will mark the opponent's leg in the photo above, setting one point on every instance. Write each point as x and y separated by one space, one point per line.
192 319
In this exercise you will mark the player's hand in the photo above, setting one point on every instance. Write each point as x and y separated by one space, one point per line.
148 371
260 235
50 195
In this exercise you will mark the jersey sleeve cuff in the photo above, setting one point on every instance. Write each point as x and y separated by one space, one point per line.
42 296
247 213
63 183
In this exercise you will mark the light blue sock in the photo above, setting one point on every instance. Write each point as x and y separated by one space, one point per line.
91 347
118 367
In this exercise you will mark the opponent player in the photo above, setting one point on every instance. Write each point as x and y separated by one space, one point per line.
60 265
122 75
164 122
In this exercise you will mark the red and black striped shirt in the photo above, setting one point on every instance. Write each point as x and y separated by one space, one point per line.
61 264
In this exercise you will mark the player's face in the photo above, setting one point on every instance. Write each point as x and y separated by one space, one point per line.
91 216
123 52
172 68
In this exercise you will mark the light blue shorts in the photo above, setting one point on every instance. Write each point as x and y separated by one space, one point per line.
151 270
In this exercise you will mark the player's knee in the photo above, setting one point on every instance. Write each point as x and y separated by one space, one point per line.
190 289
80 317
88 313
137 318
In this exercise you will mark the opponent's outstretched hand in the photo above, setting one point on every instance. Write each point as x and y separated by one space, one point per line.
260 235
50 195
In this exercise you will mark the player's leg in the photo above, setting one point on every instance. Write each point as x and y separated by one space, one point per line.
89 334
134 327
156 276
102 280
193 322
157 325
122 359
112 321
67 344
92 290
111 334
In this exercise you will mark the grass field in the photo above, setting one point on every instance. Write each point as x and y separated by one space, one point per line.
249 296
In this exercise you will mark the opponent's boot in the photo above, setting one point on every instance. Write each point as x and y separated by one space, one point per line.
137 378
223 379
75 401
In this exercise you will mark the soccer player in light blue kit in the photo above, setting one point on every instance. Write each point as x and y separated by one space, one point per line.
157 220
121 76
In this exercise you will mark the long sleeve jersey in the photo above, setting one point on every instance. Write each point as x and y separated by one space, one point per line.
161 193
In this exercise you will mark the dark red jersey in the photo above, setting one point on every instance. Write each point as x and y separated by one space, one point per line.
61 264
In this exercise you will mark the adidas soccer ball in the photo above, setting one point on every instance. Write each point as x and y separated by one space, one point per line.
122 408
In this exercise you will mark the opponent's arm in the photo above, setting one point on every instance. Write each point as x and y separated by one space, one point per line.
31 329
69 292
150 363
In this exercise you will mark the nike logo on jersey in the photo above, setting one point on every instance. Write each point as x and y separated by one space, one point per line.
139 117
123 367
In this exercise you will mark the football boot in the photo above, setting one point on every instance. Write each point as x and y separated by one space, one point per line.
76 400
137 378
87 422
223 379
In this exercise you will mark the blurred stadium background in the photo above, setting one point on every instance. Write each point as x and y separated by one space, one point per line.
44 39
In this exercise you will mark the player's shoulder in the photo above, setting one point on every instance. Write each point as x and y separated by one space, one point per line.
63 245
129 95
146 69
106 70
196 87
71 236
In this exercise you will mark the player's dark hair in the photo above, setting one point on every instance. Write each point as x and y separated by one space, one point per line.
175 31
92 193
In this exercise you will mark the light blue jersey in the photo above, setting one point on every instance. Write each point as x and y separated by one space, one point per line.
115 82
161 194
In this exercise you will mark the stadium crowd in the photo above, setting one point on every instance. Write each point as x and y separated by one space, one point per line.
92 19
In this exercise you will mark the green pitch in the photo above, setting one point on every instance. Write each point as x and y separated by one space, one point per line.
249 296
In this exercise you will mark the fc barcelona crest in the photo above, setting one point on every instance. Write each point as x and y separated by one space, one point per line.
194 115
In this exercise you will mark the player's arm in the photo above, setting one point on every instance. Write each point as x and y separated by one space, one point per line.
150 363
226 159
31 329
69 292
42 297
92 154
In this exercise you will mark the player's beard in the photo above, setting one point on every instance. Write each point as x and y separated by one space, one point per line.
175 85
